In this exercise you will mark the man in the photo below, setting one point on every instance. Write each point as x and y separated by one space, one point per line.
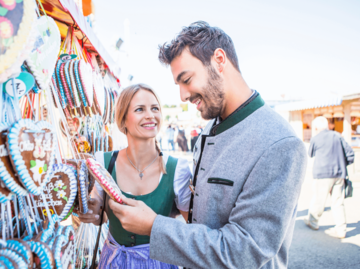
170 132
332 154
248 167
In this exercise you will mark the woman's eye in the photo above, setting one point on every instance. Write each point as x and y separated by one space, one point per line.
138 109
155 108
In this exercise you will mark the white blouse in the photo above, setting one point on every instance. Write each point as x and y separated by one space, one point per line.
181 181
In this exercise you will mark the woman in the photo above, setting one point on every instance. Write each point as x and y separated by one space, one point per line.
142 173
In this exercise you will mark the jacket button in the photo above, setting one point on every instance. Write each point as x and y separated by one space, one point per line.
132 244
191 210
132 237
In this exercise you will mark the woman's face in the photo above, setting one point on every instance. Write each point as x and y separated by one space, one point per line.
144 117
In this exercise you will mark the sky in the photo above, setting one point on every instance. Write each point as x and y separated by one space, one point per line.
286 49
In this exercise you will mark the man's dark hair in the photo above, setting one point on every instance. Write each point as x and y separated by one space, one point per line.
202 40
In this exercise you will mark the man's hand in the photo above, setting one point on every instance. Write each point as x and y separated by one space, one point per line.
135 216
93 214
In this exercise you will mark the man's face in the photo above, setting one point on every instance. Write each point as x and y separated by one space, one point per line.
199 84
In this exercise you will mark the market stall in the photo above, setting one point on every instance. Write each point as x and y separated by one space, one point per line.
59 87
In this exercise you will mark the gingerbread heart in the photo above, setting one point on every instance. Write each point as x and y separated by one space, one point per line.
43 257
83 186
43 58
60 191
32 152
85 72
13 257
9 183
22 248
64 251
105 180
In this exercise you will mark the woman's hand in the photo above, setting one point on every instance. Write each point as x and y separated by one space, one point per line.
93 214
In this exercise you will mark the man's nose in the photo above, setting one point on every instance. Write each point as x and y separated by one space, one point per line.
184 94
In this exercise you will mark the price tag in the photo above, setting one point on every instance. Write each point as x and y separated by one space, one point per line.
23 83
20 87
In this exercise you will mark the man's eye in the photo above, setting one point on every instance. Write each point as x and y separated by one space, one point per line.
187 81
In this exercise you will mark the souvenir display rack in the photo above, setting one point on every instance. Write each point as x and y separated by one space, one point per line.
56 111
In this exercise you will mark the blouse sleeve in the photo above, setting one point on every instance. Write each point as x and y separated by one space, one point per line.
181 185
98 192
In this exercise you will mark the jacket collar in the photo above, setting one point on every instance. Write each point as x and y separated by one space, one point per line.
245 110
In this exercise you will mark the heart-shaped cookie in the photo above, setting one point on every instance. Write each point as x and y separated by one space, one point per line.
64 251
14 257
22 248
60 191
43 58
32 152
9 183
43 257
85 72
105 180
83 186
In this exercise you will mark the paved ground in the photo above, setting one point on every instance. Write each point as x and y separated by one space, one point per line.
315 249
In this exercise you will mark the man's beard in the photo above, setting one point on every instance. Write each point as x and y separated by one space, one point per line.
213 98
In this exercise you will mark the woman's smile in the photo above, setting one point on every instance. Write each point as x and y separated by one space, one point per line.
149 125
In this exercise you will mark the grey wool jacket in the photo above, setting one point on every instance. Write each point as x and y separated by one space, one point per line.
248 171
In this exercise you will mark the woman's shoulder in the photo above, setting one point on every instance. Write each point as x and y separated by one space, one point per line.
181 163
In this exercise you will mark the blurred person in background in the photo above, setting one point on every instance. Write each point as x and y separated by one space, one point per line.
181 139
332 155
170 133
194 136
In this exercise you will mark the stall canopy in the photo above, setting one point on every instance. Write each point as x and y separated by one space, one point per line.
66 13
309 104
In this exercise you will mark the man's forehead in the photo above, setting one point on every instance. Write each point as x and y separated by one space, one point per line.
185 62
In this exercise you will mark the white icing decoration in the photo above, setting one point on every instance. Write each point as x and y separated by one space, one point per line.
39 151
26 146
68 255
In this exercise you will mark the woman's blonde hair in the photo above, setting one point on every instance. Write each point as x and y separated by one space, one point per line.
122 108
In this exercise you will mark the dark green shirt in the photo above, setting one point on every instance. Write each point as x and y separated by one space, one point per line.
160 201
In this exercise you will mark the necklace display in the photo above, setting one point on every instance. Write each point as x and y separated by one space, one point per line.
140 172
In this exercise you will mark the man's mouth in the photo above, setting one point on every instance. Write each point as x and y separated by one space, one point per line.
197 102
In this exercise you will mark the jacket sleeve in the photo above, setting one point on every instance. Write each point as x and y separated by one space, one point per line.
311 151
258 224
348 151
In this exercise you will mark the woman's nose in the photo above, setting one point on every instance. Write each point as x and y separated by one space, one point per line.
149 114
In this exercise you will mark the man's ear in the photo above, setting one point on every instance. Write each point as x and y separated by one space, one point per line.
220 59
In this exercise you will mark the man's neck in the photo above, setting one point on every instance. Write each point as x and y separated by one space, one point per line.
237 92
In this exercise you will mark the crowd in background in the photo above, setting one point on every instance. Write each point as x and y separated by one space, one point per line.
175 137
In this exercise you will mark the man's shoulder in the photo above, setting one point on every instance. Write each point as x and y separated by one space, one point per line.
267 124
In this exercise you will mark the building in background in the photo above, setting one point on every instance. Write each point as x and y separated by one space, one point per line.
342 112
